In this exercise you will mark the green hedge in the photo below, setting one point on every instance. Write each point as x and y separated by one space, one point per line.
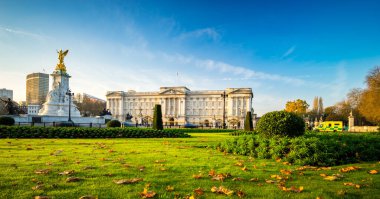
78 132
5 120
322 149
114 123
199 130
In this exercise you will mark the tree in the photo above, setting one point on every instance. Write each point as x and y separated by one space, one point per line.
369 105
248 124
298 106
354 97
157 117
90 107
316 105
320 106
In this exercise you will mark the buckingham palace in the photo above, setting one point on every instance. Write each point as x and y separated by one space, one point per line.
182 106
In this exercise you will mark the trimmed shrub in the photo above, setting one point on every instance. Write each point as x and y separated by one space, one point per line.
157 118
320 149
248 125
281 123
9 121
80 132
114 123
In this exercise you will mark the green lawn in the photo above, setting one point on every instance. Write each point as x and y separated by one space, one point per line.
160 162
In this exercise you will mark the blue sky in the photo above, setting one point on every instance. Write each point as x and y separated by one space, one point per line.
283 50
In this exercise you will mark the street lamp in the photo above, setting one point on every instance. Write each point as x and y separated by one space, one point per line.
224 95
70 94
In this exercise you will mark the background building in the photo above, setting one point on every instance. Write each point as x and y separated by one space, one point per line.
37 87
181 106
5 93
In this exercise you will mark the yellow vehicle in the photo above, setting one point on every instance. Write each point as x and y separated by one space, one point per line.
330 126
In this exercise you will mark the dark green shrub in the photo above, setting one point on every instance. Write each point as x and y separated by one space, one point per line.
321 149
114 123
280 123
157 118
9 121
248 124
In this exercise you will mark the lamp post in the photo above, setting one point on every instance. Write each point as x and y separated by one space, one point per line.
224 95
70 94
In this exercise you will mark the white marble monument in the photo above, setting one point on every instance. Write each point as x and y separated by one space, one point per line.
57 100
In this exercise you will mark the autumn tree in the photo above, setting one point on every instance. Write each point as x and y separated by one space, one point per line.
298 106
90 107
369 105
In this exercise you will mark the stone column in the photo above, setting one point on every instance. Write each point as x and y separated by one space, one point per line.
351 122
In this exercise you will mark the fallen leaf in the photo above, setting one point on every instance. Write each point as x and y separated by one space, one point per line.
169 188
147 194
73 179
128 181
292 189
286 172
270 181
373 172
323 174
222 190
239 164
199 191
199 176
162 169
286 163
159 161
68 172
42 171
240 194
237 179
142 168
352 184
253 179
42 197
348 169
88 197
331 178
28 149
211 173
244 168
38 187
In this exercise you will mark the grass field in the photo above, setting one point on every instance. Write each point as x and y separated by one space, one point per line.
161 163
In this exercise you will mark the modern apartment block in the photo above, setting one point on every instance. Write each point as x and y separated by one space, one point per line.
37 87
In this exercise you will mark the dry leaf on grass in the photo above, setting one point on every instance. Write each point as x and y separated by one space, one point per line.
88 197
199 176
254 179
147 194
73 179
373 172
38 187
199 191
169 188
348 169
292 189
42 171
240 194
128 181
352 185
286 172
238 179
68 172
42 197
222 190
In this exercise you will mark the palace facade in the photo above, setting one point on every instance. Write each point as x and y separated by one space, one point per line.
181 106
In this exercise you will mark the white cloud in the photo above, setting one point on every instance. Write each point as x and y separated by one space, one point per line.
288 52
22 33
205 32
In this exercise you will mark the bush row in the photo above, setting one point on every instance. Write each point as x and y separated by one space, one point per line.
320 149
198 130
73 132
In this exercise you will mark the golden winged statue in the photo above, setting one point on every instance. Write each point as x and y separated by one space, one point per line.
61 56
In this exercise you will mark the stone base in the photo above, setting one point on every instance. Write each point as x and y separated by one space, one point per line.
50 109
